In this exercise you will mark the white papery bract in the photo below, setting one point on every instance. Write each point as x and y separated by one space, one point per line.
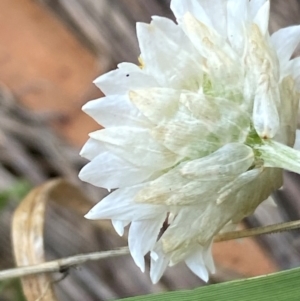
198 134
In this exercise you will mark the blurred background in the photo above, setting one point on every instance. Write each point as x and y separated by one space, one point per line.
50 52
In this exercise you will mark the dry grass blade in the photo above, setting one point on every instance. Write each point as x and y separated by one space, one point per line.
28 228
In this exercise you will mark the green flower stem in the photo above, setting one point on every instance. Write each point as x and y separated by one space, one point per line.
277 155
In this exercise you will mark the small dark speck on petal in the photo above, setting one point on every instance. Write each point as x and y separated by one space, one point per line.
127 75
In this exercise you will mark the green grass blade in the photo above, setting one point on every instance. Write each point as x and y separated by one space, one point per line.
280 286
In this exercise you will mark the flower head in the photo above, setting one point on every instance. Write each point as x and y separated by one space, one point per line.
197 134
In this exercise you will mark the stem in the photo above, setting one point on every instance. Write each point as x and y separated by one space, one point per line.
63 264
60 265
277 155
281 227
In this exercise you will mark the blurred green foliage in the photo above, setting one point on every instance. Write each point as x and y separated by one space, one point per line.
11 289
16 192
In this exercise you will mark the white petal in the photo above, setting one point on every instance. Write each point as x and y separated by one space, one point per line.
237 15
221 62
188 139
110 171
230 160
119 226
201 222
262 18
126 79
180 8
136 146
196 264
265 113
119 205
198 181
92 148
159 53
129 67
199 32
157 104
170 29
297 141
181 253
158 265
114 110
208 257
197 127
161 105
254 7
216 11
236 184
248 199
142 238
238 10
295 68
285 41
183 233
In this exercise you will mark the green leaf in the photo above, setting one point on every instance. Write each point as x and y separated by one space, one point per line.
280 286
13 289
17 191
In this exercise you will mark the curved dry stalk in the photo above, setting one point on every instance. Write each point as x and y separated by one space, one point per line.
28 243
28 236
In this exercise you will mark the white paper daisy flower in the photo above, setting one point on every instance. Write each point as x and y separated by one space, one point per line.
199 133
